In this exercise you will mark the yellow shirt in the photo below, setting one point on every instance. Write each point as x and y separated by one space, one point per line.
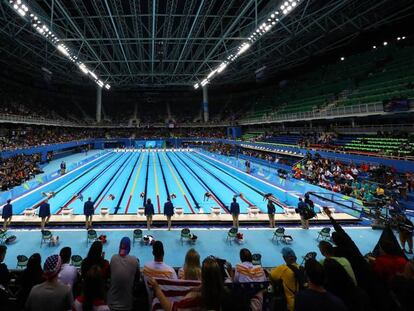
380 191
284 273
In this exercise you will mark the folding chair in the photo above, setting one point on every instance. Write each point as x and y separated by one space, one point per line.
22 261
185 235
136 235
231 235
76 261
324 234
91 236
46 237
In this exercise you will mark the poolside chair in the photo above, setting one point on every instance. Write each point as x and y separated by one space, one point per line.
136 235
257 259
76 261
22 261
3 236
185 235
46 237
91 236
231 235
324 234
280 236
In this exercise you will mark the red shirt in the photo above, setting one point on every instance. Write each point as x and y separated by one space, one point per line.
387 266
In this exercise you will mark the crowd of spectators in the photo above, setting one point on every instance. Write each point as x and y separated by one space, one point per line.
17 169
372 183
343 279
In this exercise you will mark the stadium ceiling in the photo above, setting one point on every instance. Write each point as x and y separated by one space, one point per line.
177 43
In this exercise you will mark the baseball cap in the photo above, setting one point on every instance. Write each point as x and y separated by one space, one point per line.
124 246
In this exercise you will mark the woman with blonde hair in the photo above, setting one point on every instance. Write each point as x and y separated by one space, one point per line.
192 268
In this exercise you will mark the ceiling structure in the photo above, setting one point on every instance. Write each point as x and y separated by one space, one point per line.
177 43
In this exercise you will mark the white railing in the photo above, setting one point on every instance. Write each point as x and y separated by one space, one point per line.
345 111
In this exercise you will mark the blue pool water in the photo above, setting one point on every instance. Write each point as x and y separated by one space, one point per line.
133 177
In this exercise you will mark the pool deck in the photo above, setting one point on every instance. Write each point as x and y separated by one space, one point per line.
211 241
21 220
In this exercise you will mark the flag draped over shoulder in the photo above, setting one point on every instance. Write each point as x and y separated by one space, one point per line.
174 290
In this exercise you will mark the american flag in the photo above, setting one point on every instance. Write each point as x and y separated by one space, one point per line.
174 290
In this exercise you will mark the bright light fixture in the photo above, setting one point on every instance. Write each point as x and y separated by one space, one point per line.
62 49
385 43
342 58
83 68
221 67
107 86
196 86
93 75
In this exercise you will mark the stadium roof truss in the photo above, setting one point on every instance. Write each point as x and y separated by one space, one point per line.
177 43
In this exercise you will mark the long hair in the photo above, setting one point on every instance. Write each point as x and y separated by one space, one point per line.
192 269
212 287
93 288
95 253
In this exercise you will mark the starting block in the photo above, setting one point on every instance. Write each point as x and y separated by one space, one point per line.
141 211
29 212
104 211
215 211
289 210
67 211
253 211
179 211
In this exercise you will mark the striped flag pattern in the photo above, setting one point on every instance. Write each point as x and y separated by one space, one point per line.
174 290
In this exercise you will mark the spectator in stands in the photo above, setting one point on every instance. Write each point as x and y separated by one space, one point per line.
168 212
327 250
44 214
4 272
339 283
402 287
271 210
93 293
286 274
191 269
235 212
95 257
405 228
50 295
68 274
301 210
157 268
210 295
389 262
316 297
31 276
124 271
88 211
246 271
149 212
7 214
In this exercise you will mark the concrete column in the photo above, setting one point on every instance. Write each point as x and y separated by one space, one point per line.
98 104
205 103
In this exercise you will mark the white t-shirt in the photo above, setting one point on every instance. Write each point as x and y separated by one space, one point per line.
68 274
247 272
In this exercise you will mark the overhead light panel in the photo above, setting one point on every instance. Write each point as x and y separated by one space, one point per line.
42 29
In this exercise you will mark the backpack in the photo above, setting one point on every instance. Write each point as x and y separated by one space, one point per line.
308 212
279 299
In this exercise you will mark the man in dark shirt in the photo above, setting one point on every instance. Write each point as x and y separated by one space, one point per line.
235 211
88 211
315 297
302 210
168 211
405 227
4 272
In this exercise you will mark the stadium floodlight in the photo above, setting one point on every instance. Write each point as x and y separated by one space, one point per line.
93 75
398 38
28 15
62 48
100 83
83 68
285 7
385 43
211 74
403 37
374 47
221 67
243 48
107 86
342 58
